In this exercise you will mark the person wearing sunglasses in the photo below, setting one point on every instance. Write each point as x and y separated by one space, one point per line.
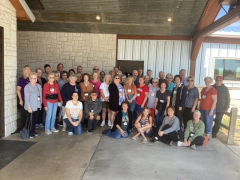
223 102
51 95
96 69
92 108
116 97
191 102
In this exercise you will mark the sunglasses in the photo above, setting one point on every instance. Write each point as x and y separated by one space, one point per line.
218 80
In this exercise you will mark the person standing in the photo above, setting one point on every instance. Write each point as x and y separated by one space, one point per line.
33 101
149 73
96 83
79 69
47 69
22 82
170 83
60 67
183 77
51 95
63 79
208 104
191 102
135 76
223 102
140 72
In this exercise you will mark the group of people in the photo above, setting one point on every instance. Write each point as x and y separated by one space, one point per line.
166 108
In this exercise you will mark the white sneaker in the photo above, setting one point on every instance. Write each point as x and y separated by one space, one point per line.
70 133
54 130
48 132
109 123
179 143
41 125
64 128
103 123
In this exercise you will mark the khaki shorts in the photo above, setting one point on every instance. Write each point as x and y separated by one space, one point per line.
105 105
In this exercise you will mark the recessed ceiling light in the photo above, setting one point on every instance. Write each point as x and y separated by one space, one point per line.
169 19
98 17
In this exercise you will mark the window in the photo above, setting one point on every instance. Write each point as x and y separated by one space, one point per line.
228 68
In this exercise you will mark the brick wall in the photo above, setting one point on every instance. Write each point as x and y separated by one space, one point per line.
71 49
9 23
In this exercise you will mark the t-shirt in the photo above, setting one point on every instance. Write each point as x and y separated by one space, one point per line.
124 124
141 94
121 90
192 95
74 110
136 82
104 88
130 90
152 95
206 98
22 83
170 87
96 86
162 99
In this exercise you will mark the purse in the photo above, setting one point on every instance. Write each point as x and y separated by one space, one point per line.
25 132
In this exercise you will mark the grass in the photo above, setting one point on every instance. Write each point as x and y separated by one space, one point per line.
226 121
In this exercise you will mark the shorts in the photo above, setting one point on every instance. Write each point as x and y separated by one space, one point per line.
138 108
105 105
152 112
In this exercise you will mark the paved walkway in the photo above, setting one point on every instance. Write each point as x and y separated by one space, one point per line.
90 157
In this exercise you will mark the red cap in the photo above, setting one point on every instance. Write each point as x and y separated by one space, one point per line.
219 77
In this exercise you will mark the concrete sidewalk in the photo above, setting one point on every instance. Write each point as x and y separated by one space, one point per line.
129 159
96 157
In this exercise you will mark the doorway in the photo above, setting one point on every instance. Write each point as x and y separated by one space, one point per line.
128 66
2 124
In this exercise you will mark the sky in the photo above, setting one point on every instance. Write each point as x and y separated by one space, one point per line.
235 27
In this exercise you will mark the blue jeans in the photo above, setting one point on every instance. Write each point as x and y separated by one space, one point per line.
208 120
117 134
51 115
71 128
159 118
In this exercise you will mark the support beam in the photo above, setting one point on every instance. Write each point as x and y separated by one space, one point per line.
20 12
222 40
230 18
153 37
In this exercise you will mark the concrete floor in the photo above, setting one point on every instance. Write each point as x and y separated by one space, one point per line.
89 157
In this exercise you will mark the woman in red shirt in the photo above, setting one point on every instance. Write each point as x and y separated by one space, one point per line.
208 104
51 95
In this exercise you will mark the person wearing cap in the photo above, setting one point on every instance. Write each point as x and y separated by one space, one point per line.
47 69
223 101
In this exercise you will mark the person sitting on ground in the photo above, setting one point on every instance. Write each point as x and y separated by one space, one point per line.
73 115
194 133
122 124
93 107
168 132
144 125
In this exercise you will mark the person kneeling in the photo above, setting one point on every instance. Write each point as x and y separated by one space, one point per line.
73 115
122 124
93 107
144 124
168 132
194 133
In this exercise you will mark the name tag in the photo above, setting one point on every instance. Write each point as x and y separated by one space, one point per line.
187 92
86 94
129 90
120 90
38 98
125 123
152 94
143 125
204 96
138 94
192 134
175 92
161 101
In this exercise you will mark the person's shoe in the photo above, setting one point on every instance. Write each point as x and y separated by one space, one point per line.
214 136
179 143
60 123
103 123
32 136
205 140
54 130
70 133
64 128
48 132
37 125
36 134
193 147
134 137
154 139
144 141
89 132
170 143
41 125
109 123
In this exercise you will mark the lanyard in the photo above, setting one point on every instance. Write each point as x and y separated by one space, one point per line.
37 90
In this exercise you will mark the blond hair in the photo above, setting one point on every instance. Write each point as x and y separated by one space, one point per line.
127 82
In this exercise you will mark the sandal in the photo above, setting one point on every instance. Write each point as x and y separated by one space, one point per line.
134 137
144 141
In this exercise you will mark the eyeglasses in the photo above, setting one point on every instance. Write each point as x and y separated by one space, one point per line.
95 69
189 80
117 78
219 80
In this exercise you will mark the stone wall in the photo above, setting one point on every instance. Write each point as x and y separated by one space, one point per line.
71 49
9 22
